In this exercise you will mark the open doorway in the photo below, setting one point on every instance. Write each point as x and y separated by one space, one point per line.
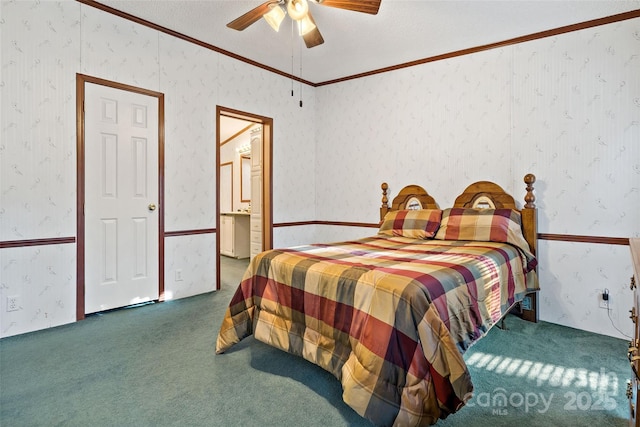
243 190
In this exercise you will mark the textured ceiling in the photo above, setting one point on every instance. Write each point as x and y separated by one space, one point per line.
402 31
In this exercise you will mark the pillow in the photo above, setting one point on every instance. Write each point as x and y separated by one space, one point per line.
485 225
415 224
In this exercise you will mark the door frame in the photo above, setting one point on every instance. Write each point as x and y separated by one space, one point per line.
81 79
267 177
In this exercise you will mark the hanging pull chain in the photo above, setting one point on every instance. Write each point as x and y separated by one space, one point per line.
292 47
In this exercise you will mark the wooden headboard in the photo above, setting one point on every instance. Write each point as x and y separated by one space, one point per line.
410 197
481 194
485 194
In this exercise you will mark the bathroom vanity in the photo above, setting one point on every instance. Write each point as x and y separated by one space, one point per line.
234 234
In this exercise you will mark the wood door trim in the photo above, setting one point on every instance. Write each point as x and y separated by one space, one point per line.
81 79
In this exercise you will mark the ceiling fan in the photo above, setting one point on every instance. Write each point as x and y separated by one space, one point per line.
273 12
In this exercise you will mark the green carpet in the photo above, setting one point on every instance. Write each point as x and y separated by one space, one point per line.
155 366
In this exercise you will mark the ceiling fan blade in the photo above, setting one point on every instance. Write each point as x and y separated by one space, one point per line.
313 38
250 17
364 6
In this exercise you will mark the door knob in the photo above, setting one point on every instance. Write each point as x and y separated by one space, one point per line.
152 207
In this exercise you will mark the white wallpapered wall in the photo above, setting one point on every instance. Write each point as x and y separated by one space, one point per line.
576 122
44 45
565 108
38 163
195 256
188 80
415 123
38 131
45 279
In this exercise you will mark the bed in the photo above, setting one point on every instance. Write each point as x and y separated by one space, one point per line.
391 315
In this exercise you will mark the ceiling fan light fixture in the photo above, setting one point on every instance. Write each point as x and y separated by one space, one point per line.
274 17
298 9
306 25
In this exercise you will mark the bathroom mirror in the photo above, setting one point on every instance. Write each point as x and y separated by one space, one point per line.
245 178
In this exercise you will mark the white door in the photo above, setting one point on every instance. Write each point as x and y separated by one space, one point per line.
121 194
256 193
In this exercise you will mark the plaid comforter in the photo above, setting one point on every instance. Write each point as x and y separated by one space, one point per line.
390 317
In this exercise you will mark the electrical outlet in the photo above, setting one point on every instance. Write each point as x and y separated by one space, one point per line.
604 303
13 303
178 277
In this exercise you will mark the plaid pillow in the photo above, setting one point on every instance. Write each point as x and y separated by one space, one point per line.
485 225
415 224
